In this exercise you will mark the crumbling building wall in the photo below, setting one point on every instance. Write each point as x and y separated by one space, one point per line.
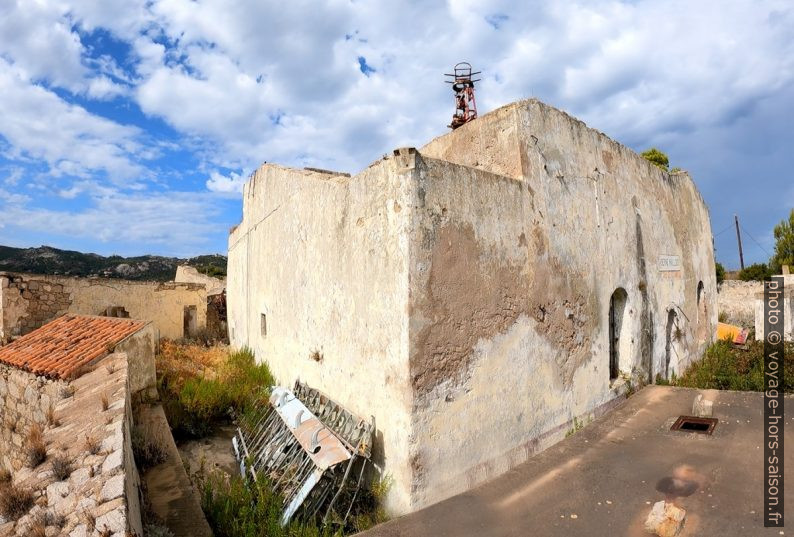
29 301
101 491
317 287
736 301
513 279
477 295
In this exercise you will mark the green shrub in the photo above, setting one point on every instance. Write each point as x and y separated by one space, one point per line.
147 452
755 272
236 508
725 367
657 158
720 272
194 405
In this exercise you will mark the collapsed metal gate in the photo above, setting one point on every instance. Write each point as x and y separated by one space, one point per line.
312 450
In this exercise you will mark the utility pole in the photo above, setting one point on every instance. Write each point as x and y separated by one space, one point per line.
739 238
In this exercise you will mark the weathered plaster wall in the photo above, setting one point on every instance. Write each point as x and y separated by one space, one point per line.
140 349
461 296
102 491
324 257
188 274
736 299
31 300
511 286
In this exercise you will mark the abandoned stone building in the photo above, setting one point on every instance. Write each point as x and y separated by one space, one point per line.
68 387
477 295
28 301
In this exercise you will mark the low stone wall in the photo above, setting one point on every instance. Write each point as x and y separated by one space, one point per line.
91 429
25 401
736 301
28 301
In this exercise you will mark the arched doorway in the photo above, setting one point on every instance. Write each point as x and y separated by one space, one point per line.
617 309
702 314
673 336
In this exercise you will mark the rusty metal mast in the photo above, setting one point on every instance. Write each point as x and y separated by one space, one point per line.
463 86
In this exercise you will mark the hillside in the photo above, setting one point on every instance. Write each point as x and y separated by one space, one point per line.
48 260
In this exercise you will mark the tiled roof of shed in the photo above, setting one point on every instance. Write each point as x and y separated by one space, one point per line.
61 347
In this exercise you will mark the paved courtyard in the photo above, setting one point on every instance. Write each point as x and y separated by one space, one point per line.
603 480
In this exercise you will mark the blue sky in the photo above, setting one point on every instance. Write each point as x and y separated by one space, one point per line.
129 127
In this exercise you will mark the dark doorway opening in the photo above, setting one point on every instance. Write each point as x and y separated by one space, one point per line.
617 306
190 322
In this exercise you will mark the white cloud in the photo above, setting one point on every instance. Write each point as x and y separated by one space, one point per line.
247 81
41 126
182 221
227 184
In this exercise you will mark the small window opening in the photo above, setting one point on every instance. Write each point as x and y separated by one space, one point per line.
116 311
263 324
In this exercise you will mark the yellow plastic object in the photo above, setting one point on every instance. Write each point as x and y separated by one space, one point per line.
734 334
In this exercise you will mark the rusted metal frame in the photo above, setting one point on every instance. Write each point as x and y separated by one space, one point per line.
355 493
292 456
288 460
271 451
301 476
273 457
339 490
315 503
265 430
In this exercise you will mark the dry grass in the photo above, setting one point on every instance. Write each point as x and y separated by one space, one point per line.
89 519
34 446
92 445
5 476
38 529
182 362
68 391
14 502
105 402
52 419
61 467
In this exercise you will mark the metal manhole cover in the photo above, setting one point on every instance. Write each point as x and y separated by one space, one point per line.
691 424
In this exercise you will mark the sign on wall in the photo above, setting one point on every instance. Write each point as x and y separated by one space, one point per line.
669 263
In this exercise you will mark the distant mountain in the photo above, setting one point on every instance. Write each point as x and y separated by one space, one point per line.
47 260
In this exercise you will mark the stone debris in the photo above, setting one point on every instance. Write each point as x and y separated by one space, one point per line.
702 408
665 519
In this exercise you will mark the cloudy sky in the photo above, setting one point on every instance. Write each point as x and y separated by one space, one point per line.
129 126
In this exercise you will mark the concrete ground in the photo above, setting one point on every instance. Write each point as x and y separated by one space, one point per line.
170 491
603 480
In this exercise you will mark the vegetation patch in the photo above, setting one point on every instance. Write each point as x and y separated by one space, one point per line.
725 367
202 387
239 508
14 502
146 450
34 447
61 467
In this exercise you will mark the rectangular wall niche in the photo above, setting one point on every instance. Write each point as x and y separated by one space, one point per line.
263 324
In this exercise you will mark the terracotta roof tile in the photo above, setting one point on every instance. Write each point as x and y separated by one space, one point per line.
60 348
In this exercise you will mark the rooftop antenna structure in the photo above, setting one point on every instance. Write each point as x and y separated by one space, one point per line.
463 86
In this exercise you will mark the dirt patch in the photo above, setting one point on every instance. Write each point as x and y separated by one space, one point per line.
206 455
469 298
